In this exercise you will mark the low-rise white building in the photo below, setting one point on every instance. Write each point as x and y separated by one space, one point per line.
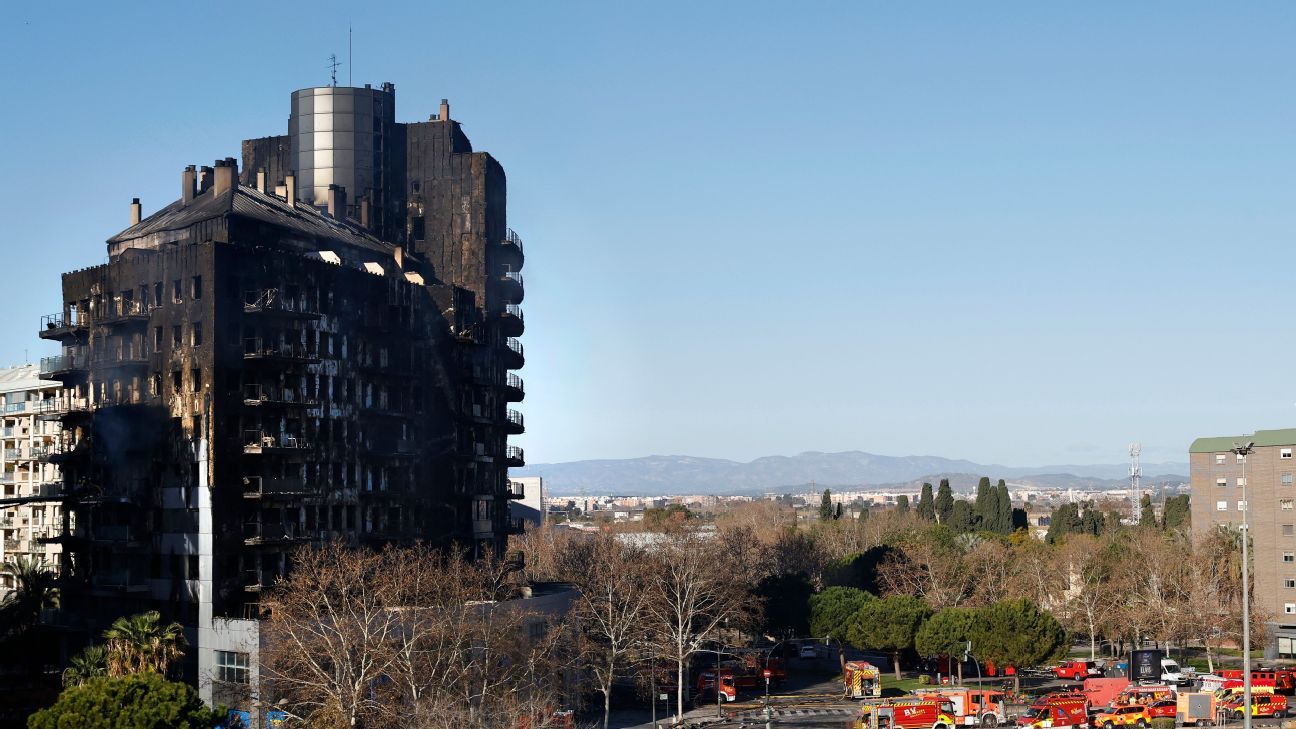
29 484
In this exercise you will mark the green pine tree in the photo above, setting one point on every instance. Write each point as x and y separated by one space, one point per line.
826 506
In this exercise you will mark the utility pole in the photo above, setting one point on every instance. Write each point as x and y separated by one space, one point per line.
1242 452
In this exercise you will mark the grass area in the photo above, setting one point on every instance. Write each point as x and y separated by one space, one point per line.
1237 653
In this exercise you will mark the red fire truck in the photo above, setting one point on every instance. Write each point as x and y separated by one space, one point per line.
913 714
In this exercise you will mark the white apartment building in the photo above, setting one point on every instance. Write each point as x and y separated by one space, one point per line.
29 426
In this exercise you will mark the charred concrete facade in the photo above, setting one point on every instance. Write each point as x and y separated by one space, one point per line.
263 364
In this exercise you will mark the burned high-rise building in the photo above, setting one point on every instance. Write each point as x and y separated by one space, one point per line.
319 345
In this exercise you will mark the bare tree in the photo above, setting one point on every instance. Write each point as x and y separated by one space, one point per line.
691 597
611 607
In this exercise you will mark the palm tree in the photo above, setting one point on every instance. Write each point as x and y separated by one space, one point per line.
88 664
33 590
141 643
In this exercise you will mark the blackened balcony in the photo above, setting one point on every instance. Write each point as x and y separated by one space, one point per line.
514 422
126 358
391 448
254 532
514 457
257 350
271 302
62 407
64 326
65 449
512 389
510 286
62 367
126 312
254 395
510 249
511 320
513 356
263 487
260 442
516 490
118 579
516 526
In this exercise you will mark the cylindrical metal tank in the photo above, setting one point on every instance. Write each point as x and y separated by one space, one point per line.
339 136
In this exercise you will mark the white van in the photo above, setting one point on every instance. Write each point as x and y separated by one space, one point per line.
1172 674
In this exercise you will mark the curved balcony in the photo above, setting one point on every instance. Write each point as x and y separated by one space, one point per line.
514 358
514 457
60 327
63 407
261 487
510 249
510 286
513 422
254 532
512 389
511 321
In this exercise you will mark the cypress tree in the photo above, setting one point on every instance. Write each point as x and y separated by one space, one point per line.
1147 517
944 503
1003 509
983 512
926 504
826 506
902 504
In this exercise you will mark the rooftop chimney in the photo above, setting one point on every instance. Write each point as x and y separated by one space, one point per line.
364 213
204 179
226 177
290 189
445 110
188 179
337 202
135 211
261 180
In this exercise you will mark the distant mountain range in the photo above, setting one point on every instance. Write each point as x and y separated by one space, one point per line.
656 475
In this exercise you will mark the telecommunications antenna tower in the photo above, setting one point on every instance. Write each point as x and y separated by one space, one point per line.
1136 474
333 67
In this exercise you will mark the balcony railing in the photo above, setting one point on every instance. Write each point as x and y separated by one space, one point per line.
514 276
513 310
514 417
516 489
514 344
514 382
255 487
15 407
271 301
61 363
514 454
255 441
57 326
511 238
11 454
126 310
255 348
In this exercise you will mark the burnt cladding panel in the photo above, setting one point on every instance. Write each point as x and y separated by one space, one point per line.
270 153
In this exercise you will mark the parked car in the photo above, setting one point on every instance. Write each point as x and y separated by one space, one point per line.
1124 716
1163 709
809 650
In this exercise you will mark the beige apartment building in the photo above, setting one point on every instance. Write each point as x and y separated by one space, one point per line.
29 484
1270 505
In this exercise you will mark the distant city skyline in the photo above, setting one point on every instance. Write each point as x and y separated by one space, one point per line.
1021 233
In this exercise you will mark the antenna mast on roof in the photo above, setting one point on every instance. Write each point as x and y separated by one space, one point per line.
1136 474
350 57
333 65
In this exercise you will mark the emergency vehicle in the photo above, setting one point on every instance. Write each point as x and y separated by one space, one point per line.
915 714
1261 705
1128 715
1164 709
1143 695
863 680
1282 680
1056 714
1077 670
972 707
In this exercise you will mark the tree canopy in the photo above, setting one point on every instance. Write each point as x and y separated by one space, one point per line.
142 701
832 609
926 503
947 632
1017 632
944 503
889 624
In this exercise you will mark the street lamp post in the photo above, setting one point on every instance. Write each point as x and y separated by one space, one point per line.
1242 452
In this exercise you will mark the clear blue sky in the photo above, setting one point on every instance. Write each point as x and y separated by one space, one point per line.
1017 232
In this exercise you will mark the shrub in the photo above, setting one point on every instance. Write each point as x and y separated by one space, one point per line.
1163 722
139 701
